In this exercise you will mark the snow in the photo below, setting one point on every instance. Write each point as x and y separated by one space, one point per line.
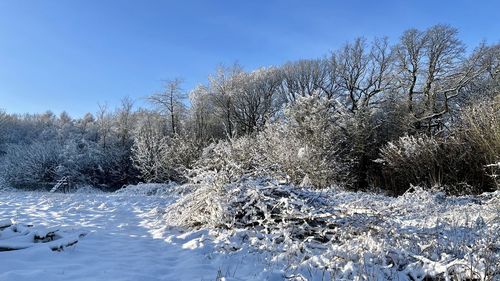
118 245
151 189
128 237
5 223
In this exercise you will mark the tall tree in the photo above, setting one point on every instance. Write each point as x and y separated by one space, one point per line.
224 85
204 122
303 78
433 71
171 102
255 103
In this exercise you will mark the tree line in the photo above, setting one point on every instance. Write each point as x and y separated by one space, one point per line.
371 115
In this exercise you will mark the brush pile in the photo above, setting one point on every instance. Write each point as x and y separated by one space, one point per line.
16 236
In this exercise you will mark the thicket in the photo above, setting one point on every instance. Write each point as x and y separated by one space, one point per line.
371 115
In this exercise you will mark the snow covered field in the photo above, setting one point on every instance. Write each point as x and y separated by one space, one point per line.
118 246
127 238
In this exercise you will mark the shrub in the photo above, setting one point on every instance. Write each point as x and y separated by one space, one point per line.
228 160
480 129
320 131
30 166
147 151
178 155
412 159
460 162
308 147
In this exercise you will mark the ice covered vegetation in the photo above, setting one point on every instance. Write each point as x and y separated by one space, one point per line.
332 234
380 161
249 230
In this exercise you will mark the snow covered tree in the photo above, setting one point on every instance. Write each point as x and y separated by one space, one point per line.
171 102
3 130
148 150
204 125
224 85
303 78
434 71
124 123
257 101
318 121
31 166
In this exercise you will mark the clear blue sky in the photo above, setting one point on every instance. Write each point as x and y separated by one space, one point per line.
72 54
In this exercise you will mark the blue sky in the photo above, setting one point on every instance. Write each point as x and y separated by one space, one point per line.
73 54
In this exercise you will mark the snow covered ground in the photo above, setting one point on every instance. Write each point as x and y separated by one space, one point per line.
128 239
118 246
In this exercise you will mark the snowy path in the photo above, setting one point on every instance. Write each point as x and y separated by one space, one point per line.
119 245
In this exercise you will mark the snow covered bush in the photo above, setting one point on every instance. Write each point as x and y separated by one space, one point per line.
427 161
347 235
285 155
228 161
319 148
81 161
413 158
4 186
308 147
480 130
29 166
147 152
457 162
159 157
179 156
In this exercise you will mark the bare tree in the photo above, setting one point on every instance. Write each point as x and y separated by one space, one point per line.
409 62
303 78
362 74
432 65
353 63
488 83
124 121
104 124
223 86
171 101
443 52
331 84
255 103
203 119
